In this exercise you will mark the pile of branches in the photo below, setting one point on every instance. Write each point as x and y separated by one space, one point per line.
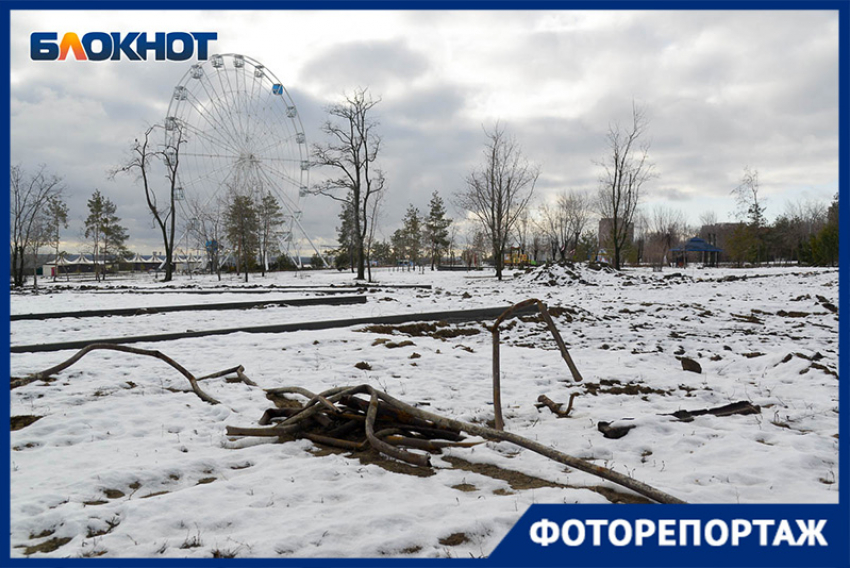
340 418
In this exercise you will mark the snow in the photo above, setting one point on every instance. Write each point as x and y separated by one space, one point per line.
126 461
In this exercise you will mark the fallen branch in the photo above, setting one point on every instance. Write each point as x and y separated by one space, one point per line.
125 349
418 430
742 407
544 313
555 407
239 371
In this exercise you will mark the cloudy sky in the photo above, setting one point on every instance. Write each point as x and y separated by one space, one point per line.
722 90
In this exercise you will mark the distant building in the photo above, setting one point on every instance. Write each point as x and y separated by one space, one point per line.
718 235
606 226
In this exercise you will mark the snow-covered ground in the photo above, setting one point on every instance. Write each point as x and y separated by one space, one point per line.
125 461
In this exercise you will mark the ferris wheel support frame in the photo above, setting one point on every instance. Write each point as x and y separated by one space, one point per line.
227 129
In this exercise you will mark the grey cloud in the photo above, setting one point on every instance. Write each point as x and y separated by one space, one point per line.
722 90
373 64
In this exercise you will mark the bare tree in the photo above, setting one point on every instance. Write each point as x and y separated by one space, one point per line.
30 196
751 208
625 170
708 218
208 227
498 192
143 153
553 224
564 221
351 155
666 227
374 214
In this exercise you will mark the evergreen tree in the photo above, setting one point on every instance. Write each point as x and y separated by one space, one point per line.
411 234
103 227
382 252
57 219
398 244
346 238
437 228
242 227
270 217
825 244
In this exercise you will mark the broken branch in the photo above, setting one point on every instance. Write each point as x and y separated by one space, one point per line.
125 349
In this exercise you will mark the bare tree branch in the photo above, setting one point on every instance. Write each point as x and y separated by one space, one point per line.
498 192
624 172
351 155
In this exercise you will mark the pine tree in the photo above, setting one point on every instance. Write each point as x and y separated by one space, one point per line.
345 238
57 219
103 226
242 227
270 217
411 233
437 228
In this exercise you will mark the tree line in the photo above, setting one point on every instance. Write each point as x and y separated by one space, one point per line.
245 227
247 224
38 214
498 197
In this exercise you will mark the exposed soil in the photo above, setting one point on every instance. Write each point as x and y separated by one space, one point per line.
47 546
21 422
521 481
454 539
616 387
437 330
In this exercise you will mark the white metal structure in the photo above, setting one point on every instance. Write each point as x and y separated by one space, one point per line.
241 132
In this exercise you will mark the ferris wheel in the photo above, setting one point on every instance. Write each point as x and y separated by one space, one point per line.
236 129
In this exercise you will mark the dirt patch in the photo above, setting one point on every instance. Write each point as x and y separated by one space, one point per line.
747 319
454 539
411 550
113 493
616 387
363 366
820 367
111 525
21 422
784 314
517 480
438 330
47 546
465 487
373 457
521 481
